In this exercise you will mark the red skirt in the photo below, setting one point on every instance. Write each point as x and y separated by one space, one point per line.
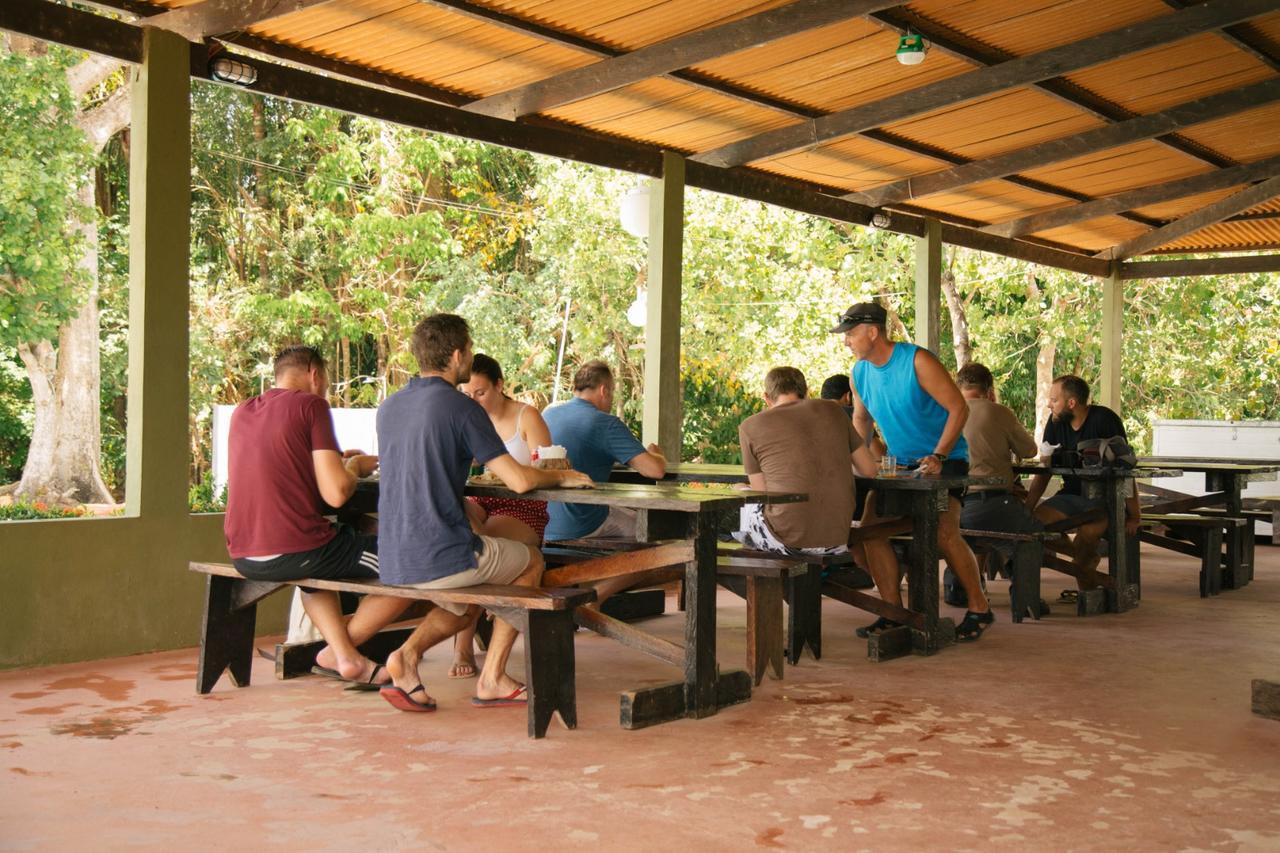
532 513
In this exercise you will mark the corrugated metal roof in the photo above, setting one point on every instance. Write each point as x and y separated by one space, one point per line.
845 65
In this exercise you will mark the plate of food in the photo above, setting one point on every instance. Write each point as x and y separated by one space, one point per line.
488 478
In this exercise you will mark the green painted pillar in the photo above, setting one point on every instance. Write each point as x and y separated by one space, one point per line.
663 409
929 285
159 282
1112 338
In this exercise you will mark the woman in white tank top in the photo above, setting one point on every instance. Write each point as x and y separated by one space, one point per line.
522 429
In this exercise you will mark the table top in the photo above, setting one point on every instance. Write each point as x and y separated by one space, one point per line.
678 497
1100 473
906 481
1186 463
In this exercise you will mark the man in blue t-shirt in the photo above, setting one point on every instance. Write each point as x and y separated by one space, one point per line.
1072 419
921 414
595 441
428 434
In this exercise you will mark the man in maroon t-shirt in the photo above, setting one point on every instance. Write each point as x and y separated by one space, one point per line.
284 466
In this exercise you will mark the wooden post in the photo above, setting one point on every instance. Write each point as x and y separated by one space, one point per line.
928 285
159 237
663 413
1112 338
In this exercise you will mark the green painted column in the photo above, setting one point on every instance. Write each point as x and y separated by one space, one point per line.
1112 338
159 239
929 285
663 408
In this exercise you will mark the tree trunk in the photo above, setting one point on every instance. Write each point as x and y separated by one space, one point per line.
959 321
63 462
64 459
1044 363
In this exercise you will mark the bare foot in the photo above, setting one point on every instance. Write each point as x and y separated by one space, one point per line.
353 669
504 687
403 666
464 660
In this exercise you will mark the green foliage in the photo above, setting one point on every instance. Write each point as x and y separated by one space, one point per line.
714 405
43 155
23 511
15 416
201 497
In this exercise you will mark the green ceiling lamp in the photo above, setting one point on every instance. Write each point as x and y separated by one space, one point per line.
911 48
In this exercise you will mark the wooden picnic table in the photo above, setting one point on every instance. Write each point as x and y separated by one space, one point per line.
666 512
1111 484
920 499
1225 481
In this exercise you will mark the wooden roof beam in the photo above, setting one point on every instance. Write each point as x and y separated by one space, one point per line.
1192 222
1141 197
1078 145
946 40
1234 265
1013 74
1239 35
672 54
214 17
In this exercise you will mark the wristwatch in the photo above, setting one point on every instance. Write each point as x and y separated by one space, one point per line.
941 457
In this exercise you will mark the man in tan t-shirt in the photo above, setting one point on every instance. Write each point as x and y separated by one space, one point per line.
800 445
995 438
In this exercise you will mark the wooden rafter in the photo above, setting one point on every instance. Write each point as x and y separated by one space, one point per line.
1217 180
1022 71
1194 221
1057 150
1235 265
214 17
679 52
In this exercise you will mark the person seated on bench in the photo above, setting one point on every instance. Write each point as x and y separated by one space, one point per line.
907 391
284 465
836 387
595 440
800 445
996 438
428 434
1072 419
504 518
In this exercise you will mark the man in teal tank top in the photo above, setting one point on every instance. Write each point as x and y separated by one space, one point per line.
921 414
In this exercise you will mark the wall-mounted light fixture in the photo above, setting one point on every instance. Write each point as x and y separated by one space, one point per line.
227 70
880 219
911 48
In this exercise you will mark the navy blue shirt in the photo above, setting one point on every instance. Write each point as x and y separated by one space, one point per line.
428 433
594 440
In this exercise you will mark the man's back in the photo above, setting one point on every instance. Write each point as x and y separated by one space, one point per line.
428 433
995 436
595 442
804 447
273 502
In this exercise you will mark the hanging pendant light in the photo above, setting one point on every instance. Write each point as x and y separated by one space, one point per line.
911 48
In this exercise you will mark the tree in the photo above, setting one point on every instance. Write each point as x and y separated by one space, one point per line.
61 109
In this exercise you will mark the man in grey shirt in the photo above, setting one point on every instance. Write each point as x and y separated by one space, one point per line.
995 438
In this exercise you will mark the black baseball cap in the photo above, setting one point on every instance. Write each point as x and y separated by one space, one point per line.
863 312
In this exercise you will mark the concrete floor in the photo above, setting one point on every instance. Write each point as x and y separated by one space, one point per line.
1116 732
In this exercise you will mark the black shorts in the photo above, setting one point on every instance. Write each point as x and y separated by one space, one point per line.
347 555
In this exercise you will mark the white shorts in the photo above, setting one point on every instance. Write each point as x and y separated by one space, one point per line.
755 533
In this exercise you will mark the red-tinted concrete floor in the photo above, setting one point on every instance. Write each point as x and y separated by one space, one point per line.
1116 732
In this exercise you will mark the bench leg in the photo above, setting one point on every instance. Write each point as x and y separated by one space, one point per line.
549 666
226 635
764 627
804 614
1210 542
1024 586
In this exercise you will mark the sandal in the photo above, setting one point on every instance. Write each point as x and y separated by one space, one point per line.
1070 596
877 627
972 626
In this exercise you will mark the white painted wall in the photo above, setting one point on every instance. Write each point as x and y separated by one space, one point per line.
1218 440
355 428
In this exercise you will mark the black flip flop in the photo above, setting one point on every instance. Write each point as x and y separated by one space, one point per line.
351 685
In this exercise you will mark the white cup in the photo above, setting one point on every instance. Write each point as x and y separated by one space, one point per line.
553 451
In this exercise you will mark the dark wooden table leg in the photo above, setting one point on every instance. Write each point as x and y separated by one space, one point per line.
922 573
1239 541
1124 595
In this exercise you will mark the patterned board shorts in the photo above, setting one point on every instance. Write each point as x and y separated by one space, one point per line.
754 532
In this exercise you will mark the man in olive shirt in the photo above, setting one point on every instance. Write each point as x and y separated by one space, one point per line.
800 445
995 438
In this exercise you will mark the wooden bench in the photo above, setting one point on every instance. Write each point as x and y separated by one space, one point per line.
1269 505
760 580
1028 556
544 616
803 591
1197 536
